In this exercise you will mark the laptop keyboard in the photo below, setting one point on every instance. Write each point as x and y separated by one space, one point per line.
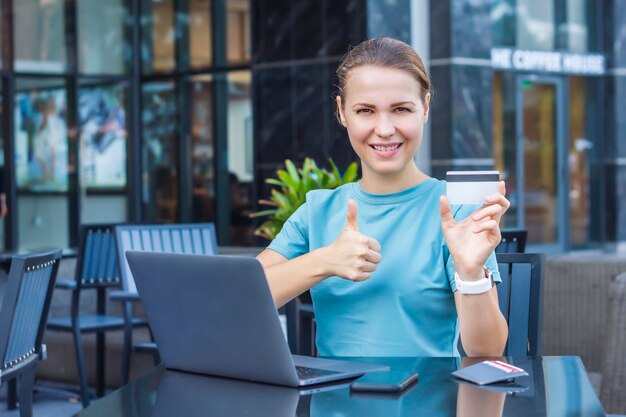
310 373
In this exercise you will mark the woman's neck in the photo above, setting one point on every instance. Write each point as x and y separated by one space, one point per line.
376 183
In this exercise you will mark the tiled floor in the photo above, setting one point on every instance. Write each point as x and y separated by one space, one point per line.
45 404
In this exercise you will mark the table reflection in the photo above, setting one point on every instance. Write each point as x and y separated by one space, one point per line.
162 392
185 395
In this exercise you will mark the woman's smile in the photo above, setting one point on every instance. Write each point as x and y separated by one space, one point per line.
386 150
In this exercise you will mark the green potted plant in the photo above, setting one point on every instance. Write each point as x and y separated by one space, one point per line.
294 183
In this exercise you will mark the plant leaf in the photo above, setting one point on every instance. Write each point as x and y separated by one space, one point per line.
351 173
293 171
294 183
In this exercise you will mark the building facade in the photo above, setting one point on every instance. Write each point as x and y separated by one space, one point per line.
178 110
527 87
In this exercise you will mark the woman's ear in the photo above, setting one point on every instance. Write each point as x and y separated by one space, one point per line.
342 117
426 106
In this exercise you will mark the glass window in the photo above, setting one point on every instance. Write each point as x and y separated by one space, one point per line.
157 36
535 24
240 154
503 23
544 25
103 137
504 144
41 135
40 35
3 176
41 162
200 33
202 149
102 44
585 162
102 116
160 155
238 31
574 31
1 48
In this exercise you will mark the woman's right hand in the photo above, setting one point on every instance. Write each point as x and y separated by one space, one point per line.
353 256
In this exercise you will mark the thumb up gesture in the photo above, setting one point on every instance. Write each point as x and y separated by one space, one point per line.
353 255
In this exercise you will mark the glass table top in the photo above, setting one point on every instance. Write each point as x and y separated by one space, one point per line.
556 386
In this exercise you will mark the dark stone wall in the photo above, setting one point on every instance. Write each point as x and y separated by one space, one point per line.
296 48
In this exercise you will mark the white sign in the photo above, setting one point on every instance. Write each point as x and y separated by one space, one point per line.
548 61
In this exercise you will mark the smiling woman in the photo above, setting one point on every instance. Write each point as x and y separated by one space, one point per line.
381 256
385 121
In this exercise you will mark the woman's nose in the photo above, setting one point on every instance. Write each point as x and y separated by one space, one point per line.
384 126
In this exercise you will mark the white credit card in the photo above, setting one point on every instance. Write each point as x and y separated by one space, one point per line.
471 187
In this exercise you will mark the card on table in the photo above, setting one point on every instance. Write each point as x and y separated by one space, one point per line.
488 372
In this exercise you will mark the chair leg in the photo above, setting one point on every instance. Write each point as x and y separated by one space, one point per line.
100 363
128 342
80 362
156 357
27 382
100 341
12 394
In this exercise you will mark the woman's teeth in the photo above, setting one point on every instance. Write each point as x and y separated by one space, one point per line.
385 148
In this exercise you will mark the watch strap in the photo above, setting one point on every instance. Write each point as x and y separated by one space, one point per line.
474 287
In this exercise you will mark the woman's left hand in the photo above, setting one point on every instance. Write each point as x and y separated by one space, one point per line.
473 239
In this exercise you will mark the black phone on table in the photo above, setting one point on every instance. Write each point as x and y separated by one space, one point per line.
394 380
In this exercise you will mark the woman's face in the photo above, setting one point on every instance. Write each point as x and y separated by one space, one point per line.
384 115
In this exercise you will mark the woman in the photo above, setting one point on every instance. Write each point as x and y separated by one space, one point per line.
380 256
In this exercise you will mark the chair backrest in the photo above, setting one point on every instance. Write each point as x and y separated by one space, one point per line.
520 297
513 241
25 307
97 263
191 239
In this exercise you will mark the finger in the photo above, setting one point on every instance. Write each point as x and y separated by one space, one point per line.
351 219
445 211
497 199
487 211
363 276
373 244
373 256
500 196
369 267
486 225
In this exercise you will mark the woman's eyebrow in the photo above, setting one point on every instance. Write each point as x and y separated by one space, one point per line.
371 106
400 103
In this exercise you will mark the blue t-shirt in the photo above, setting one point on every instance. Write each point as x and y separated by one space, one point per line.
406 308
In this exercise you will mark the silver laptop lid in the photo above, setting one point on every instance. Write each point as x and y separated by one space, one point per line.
206 319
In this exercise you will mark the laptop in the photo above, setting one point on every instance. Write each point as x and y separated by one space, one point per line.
215 315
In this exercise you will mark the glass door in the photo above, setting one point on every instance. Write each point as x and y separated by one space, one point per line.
539 197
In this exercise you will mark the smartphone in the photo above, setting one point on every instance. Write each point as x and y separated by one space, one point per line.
471 187
394 380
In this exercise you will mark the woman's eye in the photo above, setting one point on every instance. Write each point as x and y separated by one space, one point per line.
361 111
402 109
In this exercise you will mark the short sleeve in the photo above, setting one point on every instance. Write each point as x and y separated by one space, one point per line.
293 239
461 213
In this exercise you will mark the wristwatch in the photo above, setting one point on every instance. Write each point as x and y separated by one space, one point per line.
474 287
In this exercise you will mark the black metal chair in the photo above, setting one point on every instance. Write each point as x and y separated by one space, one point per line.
23 317
301 327
97 269
192 238
513 241
521 301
